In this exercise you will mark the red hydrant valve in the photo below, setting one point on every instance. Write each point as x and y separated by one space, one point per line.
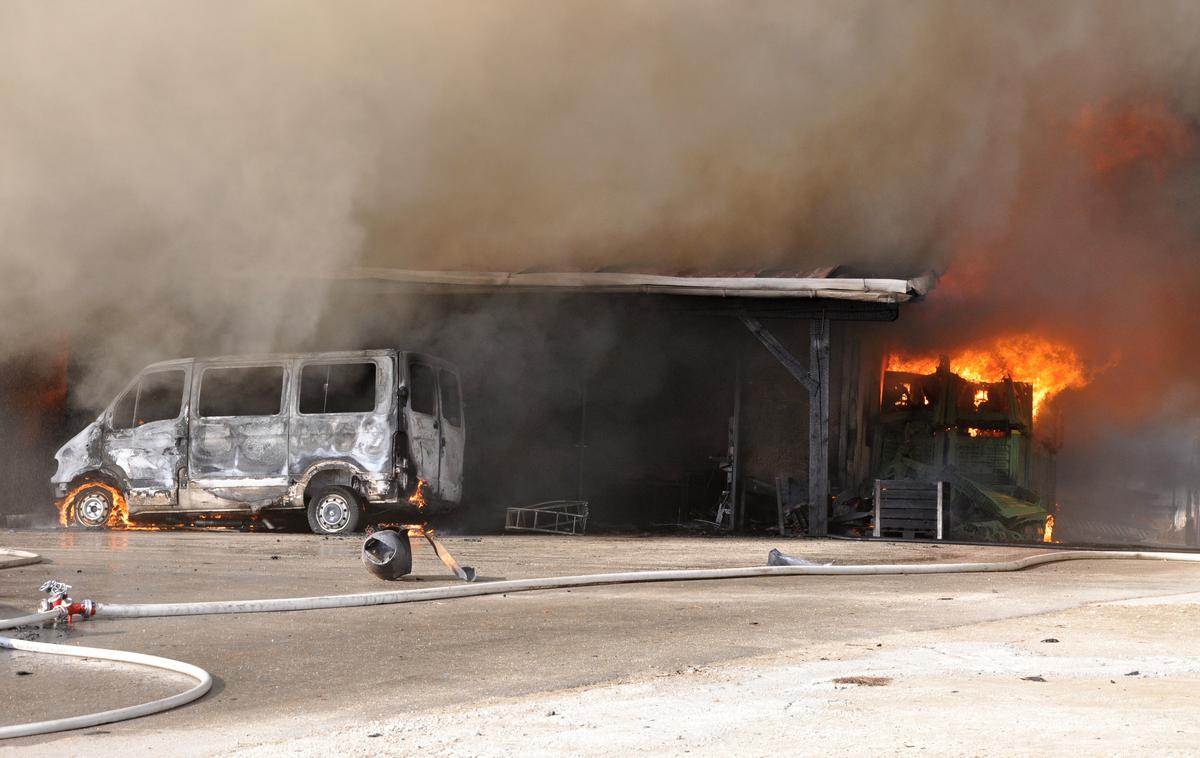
58 600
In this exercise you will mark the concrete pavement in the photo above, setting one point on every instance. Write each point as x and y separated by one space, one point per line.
325 680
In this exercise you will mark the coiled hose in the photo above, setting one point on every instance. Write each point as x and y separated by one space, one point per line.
148 610
202 677
12 558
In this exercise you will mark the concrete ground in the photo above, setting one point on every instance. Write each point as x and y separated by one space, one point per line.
1100 656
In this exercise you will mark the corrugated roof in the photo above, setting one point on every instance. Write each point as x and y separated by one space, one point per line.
760 284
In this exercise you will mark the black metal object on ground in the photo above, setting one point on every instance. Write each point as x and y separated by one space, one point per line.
388 554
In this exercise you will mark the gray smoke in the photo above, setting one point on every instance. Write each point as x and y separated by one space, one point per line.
165 161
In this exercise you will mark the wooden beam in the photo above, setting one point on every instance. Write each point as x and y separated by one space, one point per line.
815 379
737 519
789 361
818 428
781 497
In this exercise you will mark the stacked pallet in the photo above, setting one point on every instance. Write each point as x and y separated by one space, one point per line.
908 508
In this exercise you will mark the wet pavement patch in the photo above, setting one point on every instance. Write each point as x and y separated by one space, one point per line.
864 681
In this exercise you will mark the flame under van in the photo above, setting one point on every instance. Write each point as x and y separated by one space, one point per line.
334 434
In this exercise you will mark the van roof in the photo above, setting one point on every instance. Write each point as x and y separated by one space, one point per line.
274 357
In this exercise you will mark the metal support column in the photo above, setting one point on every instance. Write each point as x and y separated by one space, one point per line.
815 379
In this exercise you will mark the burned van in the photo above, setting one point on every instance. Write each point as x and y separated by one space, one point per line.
337 435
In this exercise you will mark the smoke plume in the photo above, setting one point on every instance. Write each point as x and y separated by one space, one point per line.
188 156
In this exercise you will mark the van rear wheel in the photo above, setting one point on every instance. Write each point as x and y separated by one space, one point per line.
334 510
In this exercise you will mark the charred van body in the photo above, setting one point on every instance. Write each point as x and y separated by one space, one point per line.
335 434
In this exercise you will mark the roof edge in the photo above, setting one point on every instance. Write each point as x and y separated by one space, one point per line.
859 289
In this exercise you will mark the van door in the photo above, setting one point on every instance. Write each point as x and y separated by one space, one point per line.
147 435
239 436
343 412
453 436
423 426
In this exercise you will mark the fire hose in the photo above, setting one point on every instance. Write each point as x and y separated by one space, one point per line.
781 566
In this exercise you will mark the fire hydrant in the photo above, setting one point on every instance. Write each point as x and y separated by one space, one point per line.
57 599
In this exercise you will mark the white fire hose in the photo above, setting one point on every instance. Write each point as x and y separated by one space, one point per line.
148 610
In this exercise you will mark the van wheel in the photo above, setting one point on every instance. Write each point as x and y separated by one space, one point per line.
91 507
334 510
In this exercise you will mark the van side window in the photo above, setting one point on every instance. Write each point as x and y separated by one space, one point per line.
338 388
241 391
160 396
451 405
423 393
122 415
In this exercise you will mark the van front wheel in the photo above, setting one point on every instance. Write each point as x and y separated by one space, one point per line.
91 507
334 510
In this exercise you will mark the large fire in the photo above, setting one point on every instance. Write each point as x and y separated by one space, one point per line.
1048 530
1049 366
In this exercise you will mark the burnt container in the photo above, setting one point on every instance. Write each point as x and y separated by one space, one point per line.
388 554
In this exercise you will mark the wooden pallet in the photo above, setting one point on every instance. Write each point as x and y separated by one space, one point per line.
908 508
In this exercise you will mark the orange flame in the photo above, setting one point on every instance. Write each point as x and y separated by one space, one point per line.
1050 366
418 497
1048 530
419 530
977 432
912 364
413 530
981 397
64 508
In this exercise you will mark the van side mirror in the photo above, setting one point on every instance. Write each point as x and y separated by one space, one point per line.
402 393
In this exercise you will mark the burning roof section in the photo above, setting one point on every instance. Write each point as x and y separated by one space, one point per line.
823 283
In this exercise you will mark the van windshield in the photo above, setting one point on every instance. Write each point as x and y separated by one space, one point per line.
157 396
